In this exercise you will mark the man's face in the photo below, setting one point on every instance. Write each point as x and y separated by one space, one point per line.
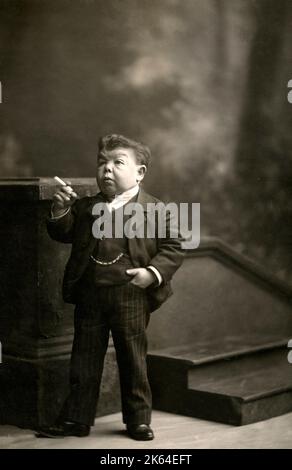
117 171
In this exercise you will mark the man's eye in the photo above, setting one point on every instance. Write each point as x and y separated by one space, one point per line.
119 162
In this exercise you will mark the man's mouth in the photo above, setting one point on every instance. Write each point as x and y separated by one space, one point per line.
107 180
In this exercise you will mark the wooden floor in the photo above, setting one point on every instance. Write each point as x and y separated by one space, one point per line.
171 432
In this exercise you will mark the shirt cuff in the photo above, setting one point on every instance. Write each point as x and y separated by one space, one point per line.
157 274
54 217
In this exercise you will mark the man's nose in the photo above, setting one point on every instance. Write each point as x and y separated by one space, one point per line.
108 167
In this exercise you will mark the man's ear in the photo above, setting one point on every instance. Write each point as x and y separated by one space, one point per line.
141 171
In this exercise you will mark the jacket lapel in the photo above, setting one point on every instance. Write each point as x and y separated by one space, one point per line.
94 200
138 252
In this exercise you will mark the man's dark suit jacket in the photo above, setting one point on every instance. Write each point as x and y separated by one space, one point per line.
75 227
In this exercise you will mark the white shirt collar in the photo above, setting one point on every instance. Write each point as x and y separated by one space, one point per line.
123 198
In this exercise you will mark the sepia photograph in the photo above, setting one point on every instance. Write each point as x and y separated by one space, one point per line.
145 227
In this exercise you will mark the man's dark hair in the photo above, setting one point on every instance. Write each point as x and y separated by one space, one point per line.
113 141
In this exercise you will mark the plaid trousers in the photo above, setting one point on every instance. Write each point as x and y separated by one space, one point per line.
123 310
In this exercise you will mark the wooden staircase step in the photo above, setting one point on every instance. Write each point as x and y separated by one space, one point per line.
248 378
223 348
238 390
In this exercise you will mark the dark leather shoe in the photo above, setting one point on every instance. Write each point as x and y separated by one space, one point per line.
64 430
140 432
